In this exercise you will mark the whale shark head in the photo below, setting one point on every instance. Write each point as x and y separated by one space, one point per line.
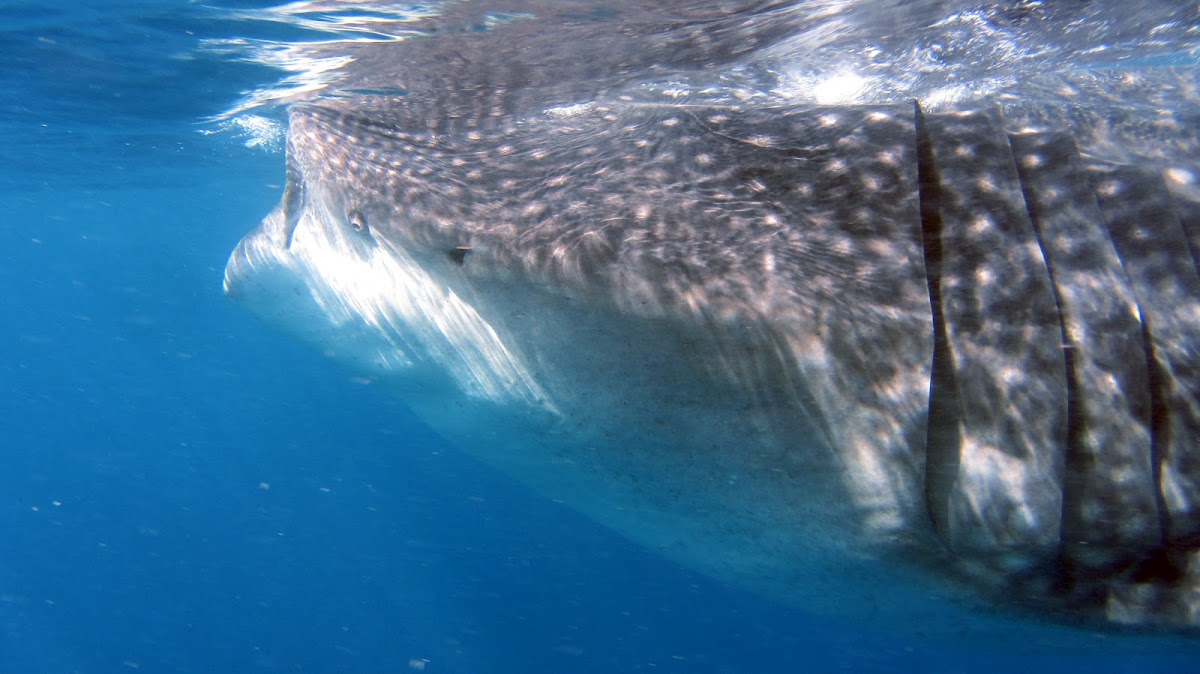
900 345
603 281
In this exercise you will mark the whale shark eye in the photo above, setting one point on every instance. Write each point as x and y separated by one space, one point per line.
458 254
357 220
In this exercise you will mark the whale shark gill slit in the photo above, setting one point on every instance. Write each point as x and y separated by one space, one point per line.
293 199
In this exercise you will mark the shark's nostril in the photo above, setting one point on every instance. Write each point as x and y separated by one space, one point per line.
357 221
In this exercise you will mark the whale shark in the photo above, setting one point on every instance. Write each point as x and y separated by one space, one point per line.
842 346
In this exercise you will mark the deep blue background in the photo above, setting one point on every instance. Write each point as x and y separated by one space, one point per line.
184 490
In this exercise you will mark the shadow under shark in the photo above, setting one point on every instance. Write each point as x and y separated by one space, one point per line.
850 356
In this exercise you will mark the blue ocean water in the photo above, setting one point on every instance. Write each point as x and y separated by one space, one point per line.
182 489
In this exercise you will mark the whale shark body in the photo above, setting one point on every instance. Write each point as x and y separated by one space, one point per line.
845 354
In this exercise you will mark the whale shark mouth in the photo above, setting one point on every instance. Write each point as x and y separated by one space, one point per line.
410 320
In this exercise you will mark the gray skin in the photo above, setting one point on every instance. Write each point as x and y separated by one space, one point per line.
850 356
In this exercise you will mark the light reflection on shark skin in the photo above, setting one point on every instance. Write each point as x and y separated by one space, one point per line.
800 347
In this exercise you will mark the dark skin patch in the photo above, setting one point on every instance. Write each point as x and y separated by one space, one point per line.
458 255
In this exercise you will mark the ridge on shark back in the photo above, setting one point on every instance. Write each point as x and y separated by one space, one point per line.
905 348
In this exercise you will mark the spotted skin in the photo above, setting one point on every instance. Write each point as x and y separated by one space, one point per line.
777 343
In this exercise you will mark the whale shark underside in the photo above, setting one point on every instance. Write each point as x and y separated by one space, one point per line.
842 354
